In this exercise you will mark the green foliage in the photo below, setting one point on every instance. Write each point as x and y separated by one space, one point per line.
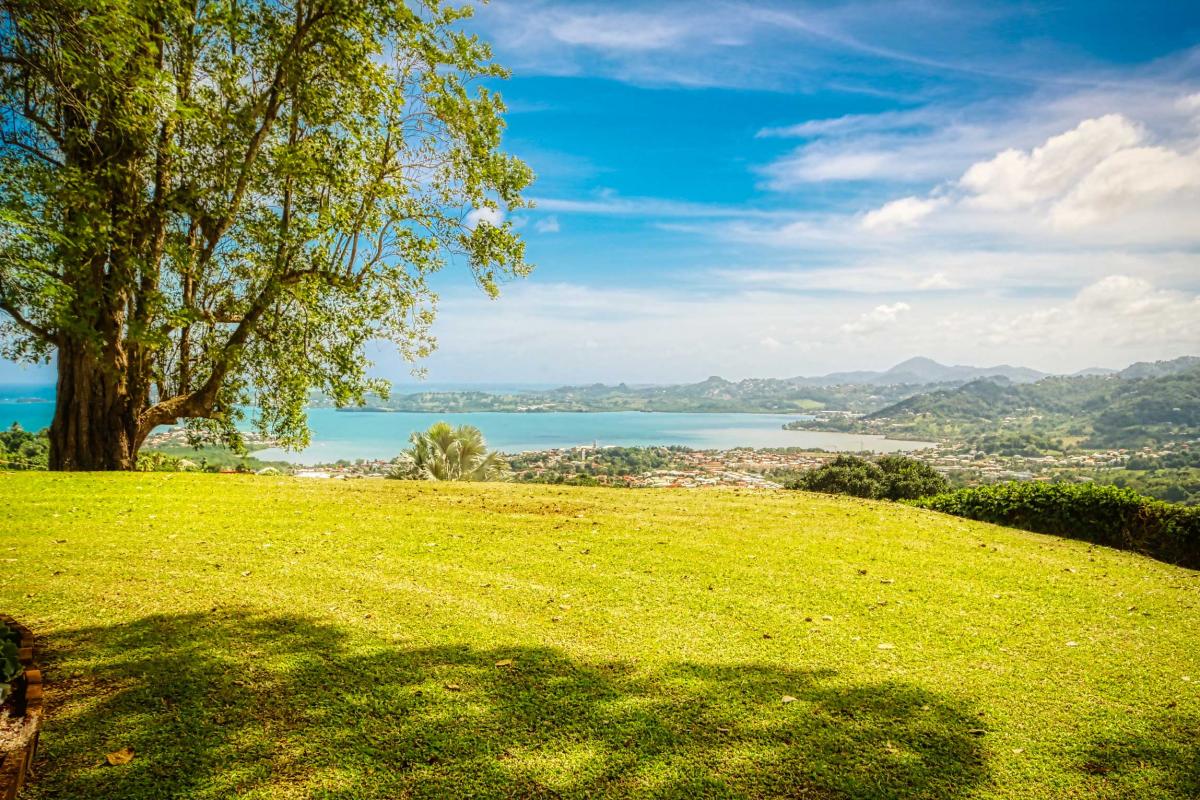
580 467
1160 407
1105 515
156 461
20 449
851 475
1014 443
10 661
1183 458
446 453
1175 485
891 477
212 206
906 478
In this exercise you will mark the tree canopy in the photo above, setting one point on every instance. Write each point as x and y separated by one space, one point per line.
210 204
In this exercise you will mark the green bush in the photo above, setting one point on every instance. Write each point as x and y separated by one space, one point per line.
20 449
886 478
907 478
10 662
155 461
1106 515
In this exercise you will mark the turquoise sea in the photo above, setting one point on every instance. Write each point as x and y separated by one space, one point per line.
354 435
29 405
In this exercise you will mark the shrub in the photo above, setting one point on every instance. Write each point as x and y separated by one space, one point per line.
155 461
20 449
1106 515
446 453
10 662
907 478
887 478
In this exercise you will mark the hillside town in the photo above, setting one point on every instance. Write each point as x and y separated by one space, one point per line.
756 468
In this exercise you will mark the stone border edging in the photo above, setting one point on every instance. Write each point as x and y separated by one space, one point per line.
17 764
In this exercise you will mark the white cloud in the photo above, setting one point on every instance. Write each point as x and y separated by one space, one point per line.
547 225
876 319
925 143
654 45
970 273
855 124
903 213
492 216
618 31
770 343
1129 179
1189 104
821 162
1119 314
941 141
937 281
1017 179
609 204
1101 182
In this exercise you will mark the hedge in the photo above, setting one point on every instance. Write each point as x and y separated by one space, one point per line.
1104 515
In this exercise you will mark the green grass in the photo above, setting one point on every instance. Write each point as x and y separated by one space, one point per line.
275 638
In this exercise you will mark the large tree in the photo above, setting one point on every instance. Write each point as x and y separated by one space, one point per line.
215 204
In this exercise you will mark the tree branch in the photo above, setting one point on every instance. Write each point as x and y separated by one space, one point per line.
199 403
45 334
28 148
274 100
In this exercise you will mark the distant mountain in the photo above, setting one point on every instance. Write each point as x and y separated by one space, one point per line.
1093 371
986 392
920 371
1110 411
1158 369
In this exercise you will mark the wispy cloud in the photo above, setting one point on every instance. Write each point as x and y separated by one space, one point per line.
933 142
780 45
619 31
610 204
547 225
965 272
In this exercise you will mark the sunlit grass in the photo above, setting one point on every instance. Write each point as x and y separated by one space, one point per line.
275 638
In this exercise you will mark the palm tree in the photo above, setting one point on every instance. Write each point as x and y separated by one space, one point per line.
445 453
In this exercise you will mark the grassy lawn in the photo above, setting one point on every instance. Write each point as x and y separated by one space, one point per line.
276 638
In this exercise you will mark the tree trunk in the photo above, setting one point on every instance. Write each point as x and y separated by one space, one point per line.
95 420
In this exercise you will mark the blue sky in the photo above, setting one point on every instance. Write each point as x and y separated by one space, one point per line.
774 189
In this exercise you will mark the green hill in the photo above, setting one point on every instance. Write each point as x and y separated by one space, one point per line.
276 638
1107 411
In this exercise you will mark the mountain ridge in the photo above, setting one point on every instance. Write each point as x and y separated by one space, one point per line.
921 370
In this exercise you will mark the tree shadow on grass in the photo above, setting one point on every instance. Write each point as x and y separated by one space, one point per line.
1162 761
227 705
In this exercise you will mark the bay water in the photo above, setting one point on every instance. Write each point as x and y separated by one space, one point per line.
368 435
